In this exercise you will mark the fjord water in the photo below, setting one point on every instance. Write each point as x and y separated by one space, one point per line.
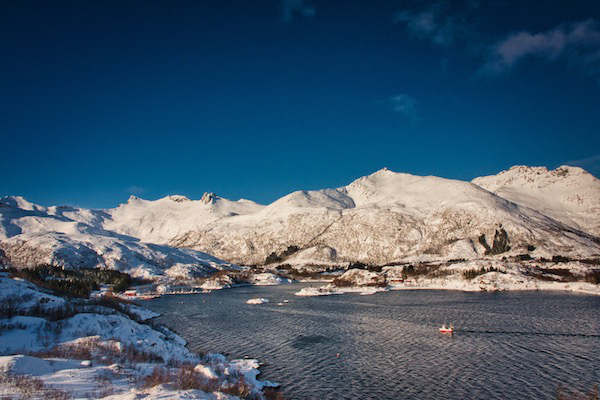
519 345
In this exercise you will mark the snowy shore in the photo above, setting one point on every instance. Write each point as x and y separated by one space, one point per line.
489 276
56 347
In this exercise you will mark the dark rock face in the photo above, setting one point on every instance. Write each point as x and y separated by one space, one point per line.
484 244
275 258
500 245
501 242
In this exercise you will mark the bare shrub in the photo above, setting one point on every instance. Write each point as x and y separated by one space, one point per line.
12 306
81 350
473 273
132 354
441 273
159 376
29 387
240 388
188 378
551 274
184 377
106 353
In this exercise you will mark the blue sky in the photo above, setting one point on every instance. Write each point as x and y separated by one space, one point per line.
257 99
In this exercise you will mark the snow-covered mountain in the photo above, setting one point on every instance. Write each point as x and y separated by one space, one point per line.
74 238
161 220
568 194
383 218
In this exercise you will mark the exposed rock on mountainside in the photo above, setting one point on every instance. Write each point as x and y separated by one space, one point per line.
500 245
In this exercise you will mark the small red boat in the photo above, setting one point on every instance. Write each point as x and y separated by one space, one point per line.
445 329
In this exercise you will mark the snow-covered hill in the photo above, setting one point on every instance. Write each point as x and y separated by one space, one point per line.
568 194
382 218
74 238
161 220
61 348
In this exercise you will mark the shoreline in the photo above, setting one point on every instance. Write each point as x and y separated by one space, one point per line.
328 289
234 300
117 353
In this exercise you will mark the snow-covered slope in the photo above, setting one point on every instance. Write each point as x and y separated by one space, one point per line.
74 238
58 348
161 220
568 194
381 218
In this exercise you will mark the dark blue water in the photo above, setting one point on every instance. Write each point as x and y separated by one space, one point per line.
519 345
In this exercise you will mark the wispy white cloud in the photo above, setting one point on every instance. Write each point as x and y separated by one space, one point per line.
405 104
291 8
579 43
433 23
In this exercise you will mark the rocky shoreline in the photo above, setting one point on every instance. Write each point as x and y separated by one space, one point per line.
59 347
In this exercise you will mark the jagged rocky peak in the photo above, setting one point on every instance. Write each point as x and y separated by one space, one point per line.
531 174
178 198
565 170
534 178
526 169
208 198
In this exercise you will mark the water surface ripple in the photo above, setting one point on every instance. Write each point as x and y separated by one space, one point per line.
518 345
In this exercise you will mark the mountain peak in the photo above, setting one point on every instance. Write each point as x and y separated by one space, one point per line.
383 171
568 194
208 198
178 198
521 174
564 170
18 202
525 169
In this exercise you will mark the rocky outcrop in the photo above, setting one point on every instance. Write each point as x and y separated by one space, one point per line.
500 244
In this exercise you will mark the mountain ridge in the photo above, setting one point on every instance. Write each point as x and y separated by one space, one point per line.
381 218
